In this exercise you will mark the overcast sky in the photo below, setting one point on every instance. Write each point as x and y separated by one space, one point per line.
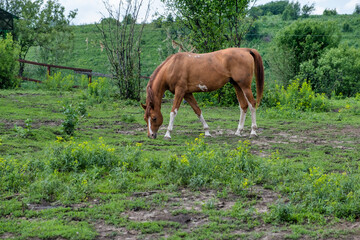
90 11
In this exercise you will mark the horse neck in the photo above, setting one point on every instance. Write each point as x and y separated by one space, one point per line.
158 90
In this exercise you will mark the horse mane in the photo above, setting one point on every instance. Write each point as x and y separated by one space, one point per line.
149 91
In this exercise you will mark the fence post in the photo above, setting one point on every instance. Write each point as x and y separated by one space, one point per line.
48 72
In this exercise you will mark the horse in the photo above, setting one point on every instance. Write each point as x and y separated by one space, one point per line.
184 73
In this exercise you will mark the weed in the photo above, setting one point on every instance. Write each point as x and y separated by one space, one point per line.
24 132
71 119
57 82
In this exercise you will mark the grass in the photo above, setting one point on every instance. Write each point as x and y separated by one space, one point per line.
298 179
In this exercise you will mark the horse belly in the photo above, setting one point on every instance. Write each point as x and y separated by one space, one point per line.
207 84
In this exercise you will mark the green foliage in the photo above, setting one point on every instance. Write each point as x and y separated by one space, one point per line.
24 132
297 97
72 115
292 11
300 42
49 229
201 167
273 7
330 12
225 96
337 71
44 25
14 174
213 25
9 52
122 42
357 9
57 82
67 156
99 90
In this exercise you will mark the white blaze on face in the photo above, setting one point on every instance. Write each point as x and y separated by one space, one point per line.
149 125
203 87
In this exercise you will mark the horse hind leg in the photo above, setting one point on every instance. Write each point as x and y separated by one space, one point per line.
252 106
192 102
243 105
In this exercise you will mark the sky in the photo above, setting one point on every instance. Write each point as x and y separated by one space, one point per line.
91 11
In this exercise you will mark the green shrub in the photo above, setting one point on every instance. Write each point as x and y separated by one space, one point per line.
300 42
99 90
337 71
71 119
14 174
69 156
296 97
202 167
9 53
57 82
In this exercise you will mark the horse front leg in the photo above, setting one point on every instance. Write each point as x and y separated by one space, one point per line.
192 102
177 101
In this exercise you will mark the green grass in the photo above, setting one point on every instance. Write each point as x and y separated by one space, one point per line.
298 179
90 56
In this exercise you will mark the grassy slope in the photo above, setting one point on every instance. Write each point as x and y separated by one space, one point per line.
90 55
303 140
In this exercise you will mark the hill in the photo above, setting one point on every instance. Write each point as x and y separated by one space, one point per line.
88 53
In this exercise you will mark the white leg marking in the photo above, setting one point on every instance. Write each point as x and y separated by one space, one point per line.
171 124
240 128
149 126
205 125
253 118
253 121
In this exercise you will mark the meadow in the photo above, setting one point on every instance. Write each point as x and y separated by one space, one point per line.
77 166
77 163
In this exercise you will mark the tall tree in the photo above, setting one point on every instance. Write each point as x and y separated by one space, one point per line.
212 25
40 24
121 37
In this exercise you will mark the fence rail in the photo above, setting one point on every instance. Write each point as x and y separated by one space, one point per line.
83 71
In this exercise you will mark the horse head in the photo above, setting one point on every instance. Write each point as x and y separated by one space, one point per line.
153 119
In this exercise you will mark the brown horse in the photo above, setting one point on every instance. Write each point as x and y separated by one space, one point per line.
185 73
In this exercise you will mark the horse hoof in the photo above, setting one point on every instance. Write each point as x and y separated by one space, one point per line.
167 138
253 135
239 134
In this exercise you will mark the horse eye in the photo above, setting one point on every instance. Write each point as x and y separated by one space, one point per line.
154 119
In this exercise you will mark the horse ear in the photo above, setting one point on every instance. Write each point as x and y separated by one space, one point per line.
143 106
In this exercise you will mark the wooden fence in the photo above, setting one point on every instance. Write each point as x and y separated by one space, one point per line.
83 71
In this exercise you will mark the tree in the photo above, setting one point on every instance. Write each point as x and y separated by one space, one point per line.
273 7
122 41
357 9
292 11
300 42
8 62
41 24
330 12
307 10
212 25
338 71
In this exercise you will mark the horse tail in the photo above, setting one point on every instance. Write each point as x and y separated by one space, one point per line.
259 73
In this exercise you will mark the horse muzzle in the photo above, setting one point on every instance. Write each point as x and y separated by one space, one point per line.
153 135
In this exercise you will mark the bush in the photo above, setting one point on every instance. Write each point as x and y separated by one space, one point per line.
57 82
70 156
297 97
99 90
9 53
338 70
12 174
300 42
201 167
